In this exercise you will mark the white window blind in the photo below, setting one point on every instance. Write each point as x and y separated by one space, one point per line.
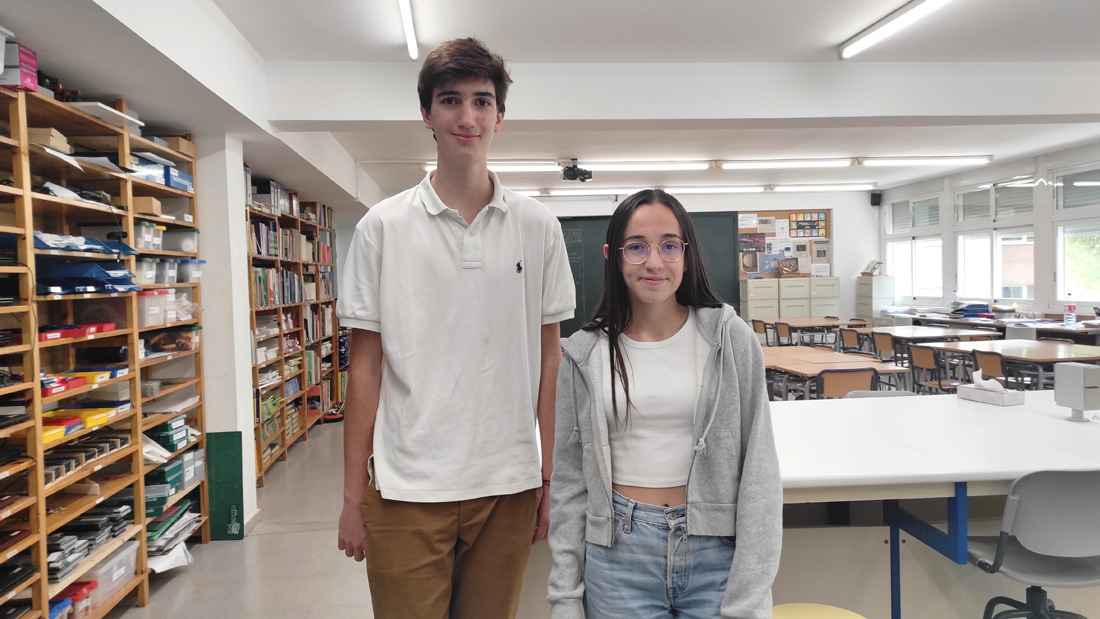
1010 201
972 205
1079 189
926 212
899 217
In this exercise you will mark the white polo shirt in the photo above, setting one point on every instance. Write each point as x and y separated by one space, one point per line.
460 309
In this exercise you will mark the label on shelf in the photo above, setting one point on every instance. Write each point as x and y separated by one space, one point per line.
123 372
10 555
87 296
100 500
55 297
5 515
114 294
54 252
4 475
97 467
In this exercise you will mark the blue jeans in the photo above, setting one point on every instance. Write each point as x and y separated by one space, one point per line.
655 569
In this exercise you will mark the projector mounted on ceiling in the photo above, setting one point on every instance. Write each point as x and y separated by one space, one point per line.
573 173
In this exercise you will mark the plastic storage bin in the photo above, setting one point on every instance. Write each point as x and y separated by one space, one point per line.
158 238
113 572
167 269
151 305
190 271
80 594
181 239
60 609
145 273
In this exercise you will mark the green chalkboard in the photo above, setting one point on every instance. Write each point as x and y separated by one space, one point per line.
584 240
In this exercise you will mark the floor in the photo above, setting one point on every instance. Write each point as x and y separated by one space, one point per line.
288 568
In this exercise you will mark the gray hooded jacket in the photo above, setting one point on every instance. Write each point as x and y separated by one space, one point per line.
733 486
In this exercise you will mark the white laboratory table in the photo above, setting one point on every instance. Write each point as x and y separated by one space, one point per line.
923 447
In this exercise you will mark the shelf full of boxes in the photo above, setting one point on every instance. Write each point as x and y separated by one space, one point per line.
100 383
293 318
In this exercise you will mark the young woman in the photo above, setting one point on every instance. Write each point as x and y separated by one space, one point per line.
665 498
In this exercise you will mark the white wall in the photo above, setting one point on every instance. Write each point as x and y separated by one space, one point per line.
855 224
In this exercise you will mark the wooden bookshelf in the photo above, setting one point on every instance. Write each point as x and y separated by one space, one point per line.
294 244
23 210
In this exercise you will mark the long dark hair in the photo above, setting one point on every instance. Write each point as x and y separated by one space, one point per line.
613 314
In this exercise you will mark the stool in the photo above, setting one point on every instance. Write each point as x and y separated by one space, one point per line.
812 611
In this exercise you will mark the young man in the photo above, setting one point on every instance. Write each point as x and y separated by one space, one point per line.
455 289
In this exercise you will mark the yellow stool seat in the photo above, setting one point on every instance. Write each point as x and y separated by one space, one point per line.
812 611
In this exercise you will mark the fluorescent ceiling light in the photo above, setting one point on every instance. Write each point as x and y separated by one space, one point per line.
780 164
593 191
723 189
528 192
818 188
1086 183
646 166
509 166
407 24
893 23
923 161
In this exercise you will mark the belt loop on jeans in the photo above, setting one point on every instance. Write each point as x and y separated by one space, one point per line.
629 515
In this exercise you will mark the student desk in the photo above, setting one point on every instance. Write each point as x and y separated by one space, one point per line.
1037 355
924 334
798 325
803 363
1044 329
928 446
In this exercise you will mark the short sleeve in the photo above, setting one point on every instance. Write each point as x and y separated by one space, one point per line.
559 295
358 306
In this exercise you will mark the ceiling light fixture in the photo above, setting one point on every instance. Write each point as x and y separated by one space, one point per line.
924 161
1086 183
508 166
780 164
820 188
721 189
646 166
528 192
407 24
592 191
893 23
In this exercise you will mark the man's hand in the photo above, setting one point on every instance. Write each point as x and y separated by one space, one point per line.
542 526
353 533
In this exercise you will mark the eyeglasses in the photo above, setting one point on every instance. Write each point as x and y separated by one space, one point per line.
670 250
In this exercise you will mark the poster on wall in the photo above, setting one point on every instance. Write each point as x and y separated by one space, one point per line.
749 262
766 225
777 245
788 266
820 270
751 242
769 263
822 249
782 228
746 220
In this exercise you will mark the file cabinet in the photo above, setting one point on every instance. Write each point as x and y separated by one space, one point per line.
759 299
873 292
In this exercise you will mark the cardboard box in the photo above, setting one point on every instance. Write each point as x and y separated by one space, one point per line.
50 138
21 77
17 54
146 205
181 145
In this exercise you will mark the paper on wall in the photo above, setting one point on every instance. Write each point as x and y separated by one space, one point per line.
746 220
782 228
822 251
777 245
820 270
765 225
800 248
804 264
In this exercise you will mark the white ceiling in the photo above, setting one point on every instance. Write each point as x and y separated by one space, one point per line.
389 150
662 31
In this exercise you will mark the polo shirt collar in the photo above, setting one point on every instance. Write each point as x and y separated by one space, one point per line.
436 206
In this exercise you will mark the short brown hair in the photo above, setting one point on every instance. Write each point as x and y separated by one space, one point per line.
460 59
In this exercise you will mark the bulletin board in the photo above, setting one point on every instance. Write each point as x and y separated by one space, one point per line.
796 243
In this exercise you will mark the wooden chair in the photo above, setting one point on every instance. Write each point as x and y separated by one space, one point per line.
993 334
784 336
927 371
839 383
850 339
992 365
763 328
886 349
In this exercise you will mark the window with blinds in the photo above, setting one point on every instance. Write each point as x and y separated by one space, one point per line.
926 212
899 217
972 205
1079 189
1011 200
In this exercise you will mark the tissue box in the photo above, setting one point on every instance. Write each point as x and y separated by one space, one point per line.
1009 397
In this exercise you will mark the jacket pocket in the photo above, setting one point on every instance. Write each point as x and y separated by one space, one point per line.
716 474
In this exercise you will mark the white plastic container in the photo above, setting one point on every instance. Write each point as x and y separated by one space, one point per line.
167 269
158 238
113 572
190 271
200 463
145 273
151 305
170 306
181 239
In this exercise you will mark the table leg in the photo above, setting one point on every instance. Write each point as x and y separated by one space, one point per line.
951 544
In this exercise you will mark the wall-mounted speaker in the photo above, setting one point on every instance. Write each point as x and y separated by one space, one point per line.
876 198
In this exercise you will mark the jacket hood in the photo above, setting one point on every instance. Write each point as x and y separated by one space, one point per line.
708 321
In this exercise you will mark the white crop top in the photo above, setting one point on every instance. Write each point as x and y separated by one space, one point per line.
653 448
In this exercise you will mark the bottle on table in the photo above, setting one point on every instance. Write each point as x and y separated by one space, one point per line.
1069 316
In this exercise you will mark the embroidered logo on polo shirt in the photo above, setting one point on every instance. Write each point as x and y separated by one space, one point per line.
519 267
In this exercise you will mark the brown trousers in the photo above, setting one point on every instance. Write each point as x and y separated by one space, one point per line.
455 560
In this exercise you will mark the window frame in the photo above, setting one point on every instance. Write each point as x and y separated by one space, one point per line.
1059 261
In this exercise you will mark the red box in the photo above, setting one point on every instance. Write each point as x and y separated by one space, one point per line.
21 78
63 334
99 327
25 56
66 384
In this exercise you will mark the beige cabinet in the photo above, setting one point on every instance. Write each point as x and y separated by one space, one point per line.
759 299
873 293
